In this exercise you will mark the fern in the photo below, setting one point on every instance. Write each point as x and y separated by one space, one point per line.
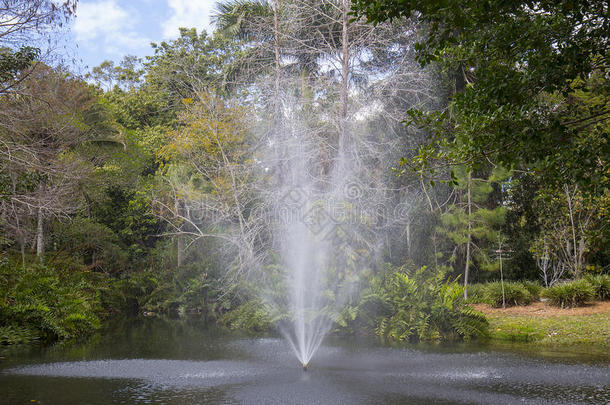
423 306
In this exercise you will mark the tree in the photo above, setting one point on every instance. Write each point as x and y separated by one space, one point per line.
191 63
307 71
208 183
126 75
44 126
522 225
519 64
571 223
23 23
472 224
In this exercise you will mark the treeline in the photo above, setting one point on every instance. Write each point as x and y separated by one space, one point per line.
145 186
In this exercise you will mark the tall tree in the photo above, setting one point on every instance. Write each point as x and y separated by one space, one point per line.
208 177
43 127
473 223
191 63
520 63
23 24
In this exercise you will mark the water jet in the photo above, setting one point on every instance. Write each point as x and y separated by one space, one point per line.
305 365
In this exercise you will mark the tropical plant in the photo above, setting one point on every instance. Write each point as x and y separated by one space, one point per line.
477 293
570 294
513 294
600 284
534 289
41 302
251 316
422 305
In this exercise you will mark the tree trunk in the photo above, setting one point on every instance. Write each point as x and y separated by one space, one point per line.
179 241
408 230
89 203
469 237
344 73
573 229
277 113
179 253
276 50
40 235
22 247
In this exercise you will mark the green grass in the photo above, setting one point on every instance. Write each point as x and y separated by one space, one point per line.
559 330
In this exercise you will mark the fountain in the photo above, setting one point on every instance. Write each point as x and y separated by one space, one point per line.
305 255
311 195
327 159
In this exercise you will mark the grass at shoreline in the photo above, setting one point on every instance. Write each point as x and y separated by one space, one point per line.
557 329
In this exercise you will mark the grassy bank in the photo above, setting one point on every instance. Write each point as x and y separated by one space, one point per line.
546 325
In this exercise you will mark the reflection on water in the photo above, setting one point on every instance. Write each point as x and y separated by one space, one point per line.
153 361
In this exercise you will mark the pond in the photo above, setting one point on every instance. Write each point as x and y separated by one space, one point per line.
155 361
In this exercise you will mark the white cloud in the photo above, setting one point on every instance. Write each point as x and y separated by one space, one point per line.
106 23
188 13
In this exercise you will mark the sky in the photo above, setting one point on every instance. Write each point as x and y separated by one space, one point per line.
111 29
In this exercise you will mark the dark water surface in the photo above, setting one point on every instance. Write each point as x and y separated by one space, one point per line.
152 361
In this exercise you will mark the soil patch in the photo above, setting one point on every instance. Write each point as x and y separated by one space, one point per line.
543 309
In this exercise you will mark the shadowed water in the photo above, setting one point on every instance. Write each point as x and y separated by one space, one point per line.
154 362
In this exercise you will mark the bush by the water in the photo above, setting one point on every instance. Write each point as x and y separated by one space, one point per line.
45 303
14 335
570 294
251 316
600 284
422 305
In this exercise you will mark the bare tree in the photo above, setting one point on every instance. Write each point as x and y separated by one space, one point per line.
565 237
551 270
23 26
209 182
312 77
42 126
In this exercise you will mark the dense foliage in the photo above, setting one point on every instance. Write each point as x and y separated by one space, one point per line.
570 294
146 192
565 294
424 306
47 303
522 69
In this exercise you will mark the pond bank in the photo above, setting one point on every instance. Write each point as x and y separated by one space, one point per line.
548 325
163 361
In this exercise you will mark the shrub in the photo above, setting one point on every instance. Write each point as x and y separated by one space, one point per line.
570 294
13 335
514 294
600 284
250 316
85 241
188 290
423 306
131 292
534 289
45 303
477 293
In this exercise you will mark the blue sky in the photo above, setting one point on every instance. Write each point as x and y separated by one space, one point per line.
111 29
